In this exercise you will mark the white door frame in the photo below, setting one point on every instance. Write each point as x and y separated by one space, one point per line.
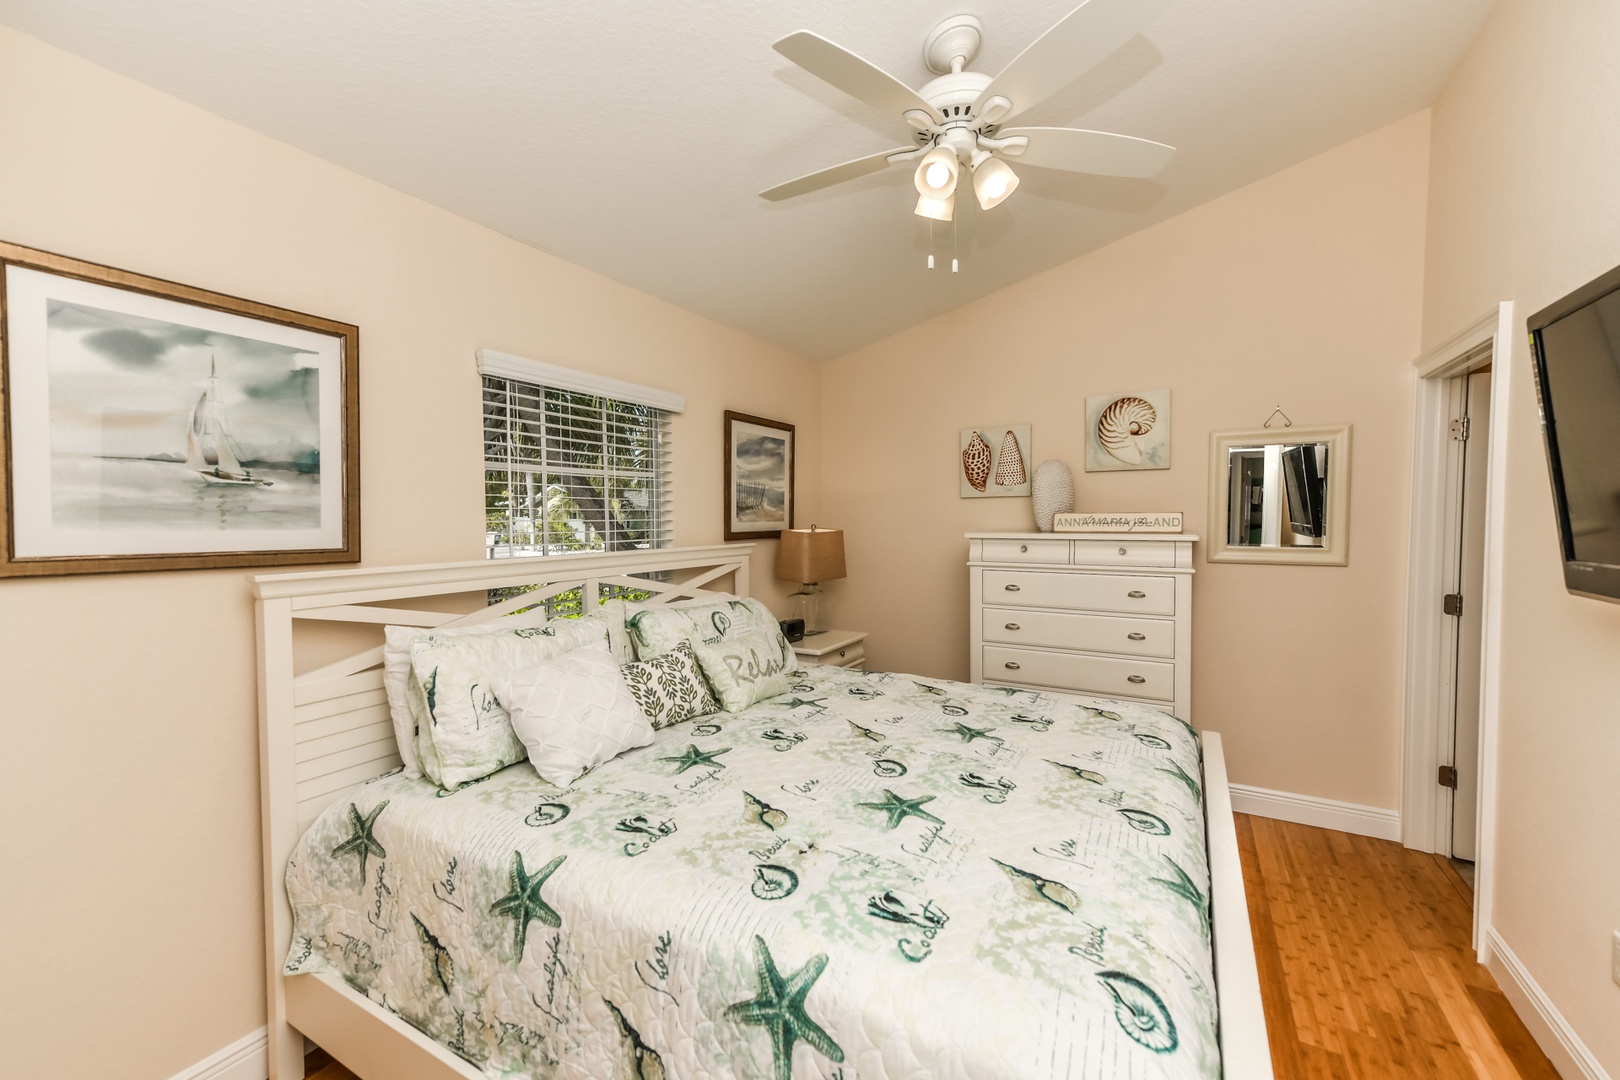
1424 823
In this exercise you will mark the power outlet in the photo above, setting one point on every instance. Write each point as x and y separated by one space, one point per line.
1614 959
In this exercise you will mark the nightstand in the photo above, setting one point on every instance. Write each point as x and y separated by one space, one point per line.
833 648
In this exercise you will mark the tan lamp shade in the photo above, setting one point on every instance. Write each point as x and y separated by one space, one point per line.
810 555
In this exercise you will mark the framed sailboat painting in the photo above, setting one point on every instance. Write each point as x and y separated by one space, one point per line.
156 426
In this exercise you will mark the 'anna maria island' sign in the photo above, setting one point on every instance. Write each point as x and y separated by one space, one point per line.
1117 523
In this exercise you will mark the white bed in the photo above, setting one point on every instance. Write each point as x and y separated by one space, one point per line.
325 729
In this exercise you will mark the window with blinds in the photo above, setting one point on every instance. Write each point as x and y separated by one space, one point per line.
570 470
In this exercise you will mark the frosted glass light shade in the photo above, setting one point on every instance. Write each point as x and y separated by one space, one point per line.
993 181
936 173
938 209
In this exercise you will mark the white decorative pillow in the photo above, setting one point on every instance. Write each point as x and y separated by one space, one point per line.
746 667
465 733
670 688
397 672
656 629
573 712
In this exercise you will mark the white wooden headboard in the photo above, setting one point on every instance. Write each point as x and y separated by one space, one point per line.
325 730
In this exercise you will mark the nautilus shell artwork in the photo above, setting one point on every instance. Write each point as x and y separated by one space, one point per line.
1121 423
1128 431
976 462
995 461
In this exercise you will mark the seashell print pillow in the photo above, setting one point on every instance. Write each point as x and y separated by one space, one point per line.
464 732
654 630
397 673
670 688
746 667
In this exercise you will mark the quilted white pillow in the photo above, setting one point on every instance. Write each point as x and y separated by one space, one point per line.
573 712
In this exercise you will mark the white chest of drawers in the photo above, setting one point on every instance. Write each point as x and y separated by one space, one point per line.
1084 613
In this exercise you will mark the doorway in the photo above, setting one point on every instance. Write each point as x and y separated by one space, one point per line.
1453 638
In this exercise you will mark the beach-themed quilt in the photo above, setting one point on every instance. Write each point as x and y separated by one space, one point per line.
871 876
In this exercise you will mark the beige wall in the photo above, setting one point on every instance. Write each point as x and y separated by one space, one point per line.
1301 290
129 813
1525 196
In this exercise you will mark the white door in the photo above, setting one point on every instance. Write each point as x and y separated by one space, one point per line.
1471 585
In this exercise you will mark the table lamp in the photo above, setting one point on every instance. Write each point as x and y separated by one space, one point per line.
810 556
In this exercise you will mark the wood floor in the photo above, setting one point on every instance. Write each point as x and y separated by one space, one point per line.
1365 964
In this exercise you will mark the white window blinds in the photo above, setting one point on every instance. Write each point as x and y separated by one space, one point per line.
571 467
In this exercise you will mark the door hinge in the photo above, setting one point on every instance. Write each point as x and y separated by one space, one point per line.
1459 429
1447 777
1452 604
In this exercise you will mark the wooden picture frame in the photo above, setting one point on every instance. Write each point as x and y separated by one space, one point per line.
758 477
150 425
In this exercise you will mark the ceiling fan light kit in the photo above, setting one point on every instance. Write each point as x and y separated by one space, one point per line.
956 118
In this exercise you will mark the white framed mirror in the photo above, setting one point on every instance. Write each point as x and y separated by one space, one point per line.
1280 496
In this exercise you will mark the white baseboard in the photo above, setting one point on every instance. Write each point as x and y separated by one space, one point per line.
1323 813
248 1058
1547 1025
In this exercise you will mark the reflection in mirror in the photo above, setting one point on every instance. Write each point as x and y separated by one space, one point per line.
1277 495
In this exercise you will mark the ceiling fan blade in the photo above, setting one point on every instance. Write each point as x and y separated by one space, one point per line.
856 77
1099 152
1078 42
849 170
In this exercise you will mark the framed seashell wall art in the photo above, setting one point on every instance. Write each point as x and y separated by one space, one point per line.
995 461
1128 431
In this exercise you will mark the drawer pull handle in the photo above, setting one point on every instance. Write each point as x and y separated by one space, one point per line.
1011 665
1012 588
1122 551
843 652
1014 626
1135 679
1134 594
1023 548
1137 637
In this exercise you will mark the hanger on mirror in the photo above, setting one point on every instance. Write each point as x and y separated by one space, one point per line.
1276 413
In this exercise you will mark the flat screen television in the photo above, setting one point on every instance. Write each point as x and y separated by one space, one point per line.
1575 345
1307 489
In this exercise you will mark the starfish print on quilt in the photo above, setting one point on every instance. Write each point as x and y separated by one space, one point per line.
694 757
362 841
524 903
779 1009
899 809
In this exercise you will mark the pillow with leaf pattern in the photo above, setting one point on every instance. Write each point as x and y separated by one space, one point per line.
670 688
656 629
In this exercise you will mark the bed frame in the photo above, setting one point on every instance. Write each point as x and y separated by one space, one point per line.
325 729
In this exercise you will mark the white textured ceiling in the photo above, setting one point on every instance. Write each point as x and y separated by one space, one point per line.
632 137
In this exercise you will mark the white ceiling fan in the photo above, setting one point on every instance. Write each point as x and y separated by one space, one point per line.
957 118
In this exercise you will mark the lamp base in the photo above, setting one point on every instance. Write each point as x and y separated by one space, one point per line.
806 605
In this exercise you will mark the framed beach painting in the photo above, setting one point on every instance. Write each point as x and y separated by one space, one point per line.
759 477
156 426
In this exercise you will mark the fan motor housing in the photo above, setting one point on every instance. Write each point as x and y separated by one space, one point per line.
953 95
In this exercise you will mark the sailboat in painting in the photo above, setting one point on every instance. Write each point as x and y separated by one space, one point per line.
210 450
